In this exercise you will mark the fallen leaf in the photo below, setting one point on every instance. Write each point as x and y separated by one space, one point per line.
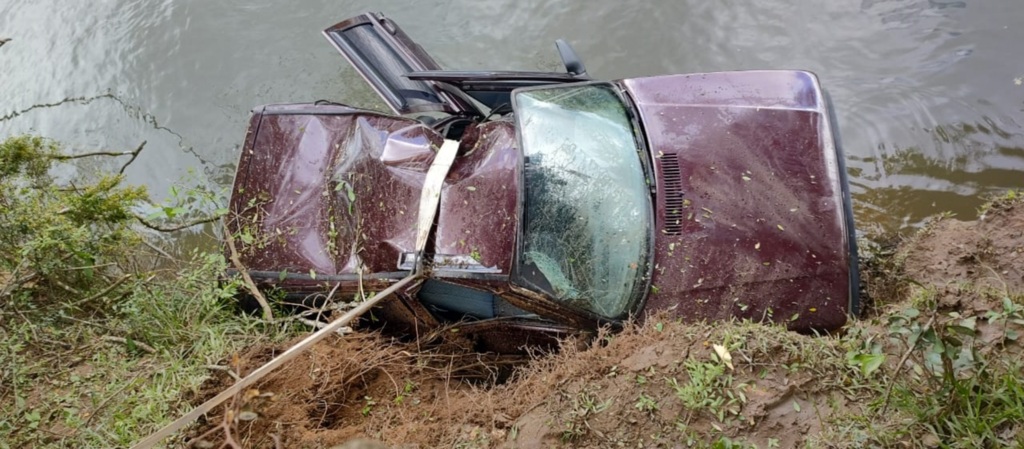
723 354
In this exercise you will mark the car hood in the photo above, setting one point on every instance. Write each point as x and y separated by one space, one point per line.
749 211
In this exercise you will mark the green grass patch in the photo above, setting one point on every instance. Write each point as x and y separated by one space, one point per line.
96 351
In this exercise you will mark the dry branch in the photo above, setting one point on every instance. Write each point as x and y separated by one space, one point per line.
124 341
134 154
176 228
105 291
899 366
268 314
262 371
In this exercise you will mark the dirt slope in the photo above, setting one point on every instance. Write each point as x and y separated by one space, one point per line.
670 384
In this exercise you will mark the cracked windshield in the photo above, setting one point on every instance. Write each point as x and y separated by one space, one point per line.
587 214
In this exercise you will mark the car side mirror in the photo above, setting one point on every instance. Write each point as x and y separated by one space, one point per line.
572 61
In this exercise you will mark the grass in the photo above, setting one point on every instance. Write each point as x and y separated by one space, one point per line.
74 386
99 345
950 393
945 358
710 389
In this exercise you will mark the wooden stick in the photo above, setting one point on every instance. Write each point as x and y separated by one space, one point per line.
157 437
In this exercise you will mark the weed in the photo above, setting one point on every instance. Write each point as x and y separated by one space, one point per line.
923 298
955 395
1012 313
406 391
641 380
728 443
584 405
709 389
646 404
368 404
1000 201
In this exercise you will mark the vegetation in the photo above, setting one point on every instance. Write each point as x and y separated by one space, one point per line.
103 338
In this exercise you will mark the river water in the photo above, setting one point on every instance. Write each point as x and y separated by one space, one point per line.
929 93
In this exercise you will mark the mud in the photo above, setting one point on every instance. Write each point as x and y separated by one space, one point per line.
969 263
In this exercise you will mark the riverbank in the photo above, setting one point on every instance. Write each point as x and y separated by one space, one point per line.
935 363
105 337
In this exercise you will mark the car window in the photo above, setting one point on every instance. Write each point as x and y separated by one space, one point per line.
586 213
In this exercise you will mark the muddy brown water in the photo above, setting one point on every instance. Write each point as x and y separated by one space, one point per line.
929 93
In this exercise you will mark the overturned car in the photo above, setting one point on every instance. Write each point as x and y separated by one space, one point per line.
558 203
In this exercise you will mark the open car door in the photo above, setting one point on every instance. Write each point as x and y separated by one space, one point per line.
383 55
410 81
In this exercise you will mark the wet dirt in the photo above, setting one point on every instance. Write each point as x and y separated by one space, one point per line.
969 263
647 386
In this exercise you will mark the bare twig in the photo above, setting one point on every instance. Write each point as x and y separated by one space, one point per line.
159 228
135 154
67 157
79 100
226 423
14 283
105 291
327 302
117 393
89 267
344 330
268 314
64 286
124 341
318 313
888 390
88 323
226 369
158 250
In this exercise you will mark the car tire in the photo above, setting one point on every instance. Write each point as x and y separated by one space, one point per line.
851 231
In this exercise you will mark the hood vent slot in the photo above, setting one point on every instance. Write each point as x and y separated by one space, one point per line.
672 181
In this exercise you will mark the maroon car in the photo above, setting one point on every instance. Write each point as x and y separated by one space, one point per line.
561 203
